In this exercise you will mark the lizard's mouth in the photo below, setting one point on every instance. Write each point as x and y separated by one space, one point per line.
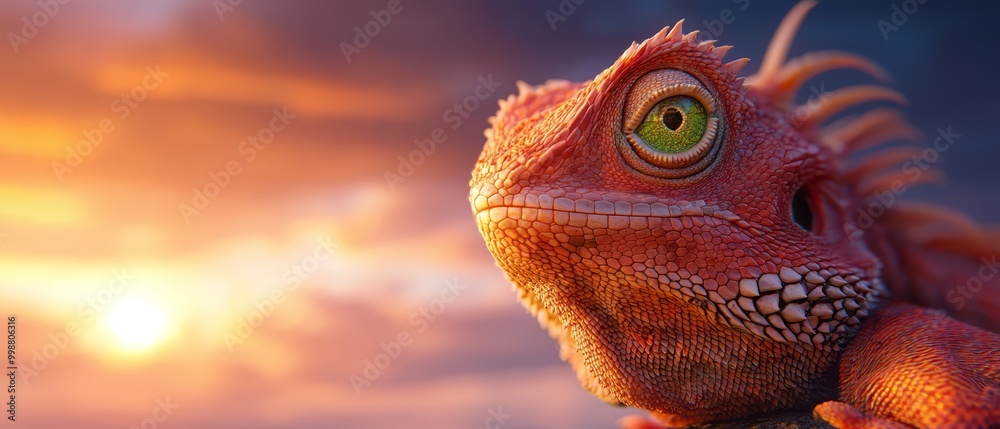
807 303
647 302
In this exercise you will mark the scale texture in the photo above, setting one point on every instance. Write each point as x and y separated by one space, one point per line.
705 249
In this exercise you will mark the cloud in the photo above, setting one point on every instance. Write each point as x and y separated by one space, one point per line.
294 370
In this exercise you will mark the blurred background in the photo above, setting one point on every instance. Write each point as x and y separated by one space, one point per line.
211 213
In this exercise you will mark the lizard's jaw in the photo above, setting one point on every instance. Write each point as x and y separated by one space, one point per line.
609 279
687 251
625 352
664 355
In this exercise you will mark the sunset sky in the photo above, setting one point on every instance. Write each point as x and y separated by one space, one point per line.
196 224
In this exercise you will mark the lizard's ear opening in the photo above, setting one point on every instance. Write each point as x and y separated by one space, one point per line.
671 125
802 212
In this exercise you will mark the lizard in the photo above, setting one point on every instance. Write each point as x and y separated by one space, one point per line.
694 241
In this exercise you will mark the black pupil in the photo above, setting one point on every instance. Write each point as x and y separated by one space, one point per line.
801 212
673 118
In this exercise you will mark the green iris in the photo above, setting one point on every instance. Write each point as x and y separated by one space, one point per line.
674 125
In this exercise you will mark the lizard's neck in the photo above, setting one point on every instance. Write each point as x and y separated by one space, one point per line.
673 365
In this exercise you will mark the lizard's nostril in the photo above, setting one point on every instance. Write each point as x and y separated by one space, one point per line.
802 213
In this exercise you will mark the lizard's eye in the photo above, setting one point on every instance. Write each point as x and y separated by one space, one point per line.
670 125
673 125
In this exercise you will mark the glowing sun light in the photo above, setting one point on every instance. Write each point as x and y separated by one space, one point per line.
137 324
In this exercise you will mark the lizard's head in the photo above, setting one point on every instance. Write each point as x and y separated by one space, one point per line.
676 228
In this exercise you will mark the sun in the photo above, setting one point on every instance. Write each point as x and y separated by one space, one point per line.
137 324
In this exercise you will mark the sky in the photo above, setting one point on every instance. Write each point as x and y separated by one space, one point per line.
211 215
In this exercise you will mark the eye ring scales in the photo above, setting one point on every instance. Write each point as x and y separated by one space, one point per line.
671 125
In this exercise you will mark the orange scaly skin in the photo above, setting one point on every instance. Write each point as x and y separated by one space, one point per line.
681 283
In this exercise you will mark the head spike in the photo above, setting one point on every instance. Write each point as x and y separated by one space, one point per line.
892 157
874 127
692 37
631 50
523 87
800 70
720 51
831 103
662 34
777 50
677 31
883 182
735 66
